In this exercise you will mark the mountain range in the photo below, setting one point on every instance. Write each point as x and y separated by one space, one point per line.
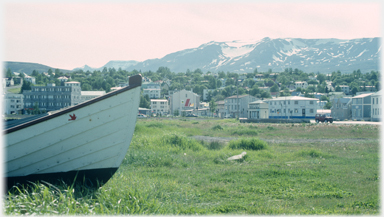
308 55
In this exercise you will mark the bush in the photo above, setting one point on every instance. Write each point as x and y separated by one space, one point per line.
217 127
248 132
181 141
248 144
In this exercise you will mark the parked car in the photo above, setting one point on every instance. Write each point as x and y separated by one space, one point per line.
323 118
191 115
228 116
141 116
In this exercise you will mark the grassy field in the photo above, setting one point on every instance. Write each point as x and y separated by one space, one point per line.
288 169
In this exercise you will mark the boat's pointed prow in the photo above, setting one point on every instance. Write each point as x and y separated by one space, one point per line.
88 139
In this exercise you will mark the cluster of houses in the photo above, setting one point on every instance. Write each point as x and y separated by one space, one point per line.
46 98
363 106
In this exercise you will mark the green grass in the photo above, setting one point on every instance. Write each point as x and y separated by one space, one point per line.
167 172
14 90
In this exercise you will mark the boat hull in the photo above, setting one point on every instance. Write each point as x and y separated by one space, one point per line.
87 142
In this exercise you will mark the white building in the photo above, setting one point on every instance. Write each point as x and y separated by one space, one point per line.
238 106
301 84
184 101
62 79
205 93
87 95
159 106
258 110
292 107
376 106
344 88
14 103
152 93
29 79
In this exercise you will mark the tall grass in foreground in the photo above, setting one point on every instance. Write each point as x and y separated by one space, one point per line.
167 172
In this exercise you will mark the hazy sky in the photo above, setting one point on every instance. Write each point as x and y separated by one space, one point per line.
69 35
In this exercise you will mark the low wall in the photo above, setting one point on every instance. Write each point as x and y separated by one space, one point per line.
244 120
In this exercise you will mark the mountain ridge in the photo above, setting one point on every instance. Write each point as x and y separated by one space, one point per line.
310 55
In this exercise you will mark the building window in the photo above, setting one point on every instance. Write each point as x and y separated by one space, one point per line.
296 102
311 102
310 110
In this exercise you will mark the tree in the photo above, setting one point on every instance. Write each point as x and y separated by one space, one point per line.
354 91
26 86
338 88
328 105
8 74
321 78
274 88
176 113
212 106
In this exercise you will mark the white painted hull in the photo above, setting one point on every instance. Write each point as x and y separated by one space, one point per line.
98 138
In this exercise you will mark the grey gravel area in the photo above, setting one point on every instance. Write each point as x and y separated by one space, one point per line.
325 140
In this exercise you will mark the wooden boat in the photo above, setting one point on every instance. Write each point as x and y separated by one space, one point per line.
87 141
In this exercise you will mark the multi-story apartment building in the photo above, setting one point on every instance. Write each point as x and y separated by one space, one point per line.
376 106
53 97
183 100
237 106
152 93
361 107
159 106
292 107
13 103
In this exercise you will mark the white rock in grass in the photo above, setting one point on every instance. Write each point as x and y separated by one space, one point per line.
237 157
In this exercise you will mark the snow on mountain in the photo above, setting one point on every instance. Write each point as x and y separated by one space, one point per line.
309 55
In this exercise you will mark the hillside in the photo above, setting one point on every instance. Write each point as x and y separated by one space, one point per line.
29 67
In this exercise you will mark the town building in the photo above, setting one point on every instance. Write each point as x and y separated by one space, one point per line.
376 105
292 107
301 84
29 79
62 79
361 107
220 109
183 101
237 106
345 89
152 93
205 93
14 103
52 97
258 110
341 108
9 82
88 95
159 106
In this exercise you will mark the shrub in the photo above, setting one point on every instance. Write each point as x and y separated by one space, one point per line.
248 132
217 127
181 142
248 144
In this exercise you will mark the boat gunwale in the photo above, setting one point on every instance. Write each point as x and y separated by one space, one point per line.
134 81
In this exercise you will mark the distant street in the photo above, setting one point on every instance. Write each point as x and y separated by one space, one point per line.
353 122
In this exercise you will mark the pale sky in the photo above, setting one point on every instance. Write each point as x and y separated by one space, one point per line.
69 35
